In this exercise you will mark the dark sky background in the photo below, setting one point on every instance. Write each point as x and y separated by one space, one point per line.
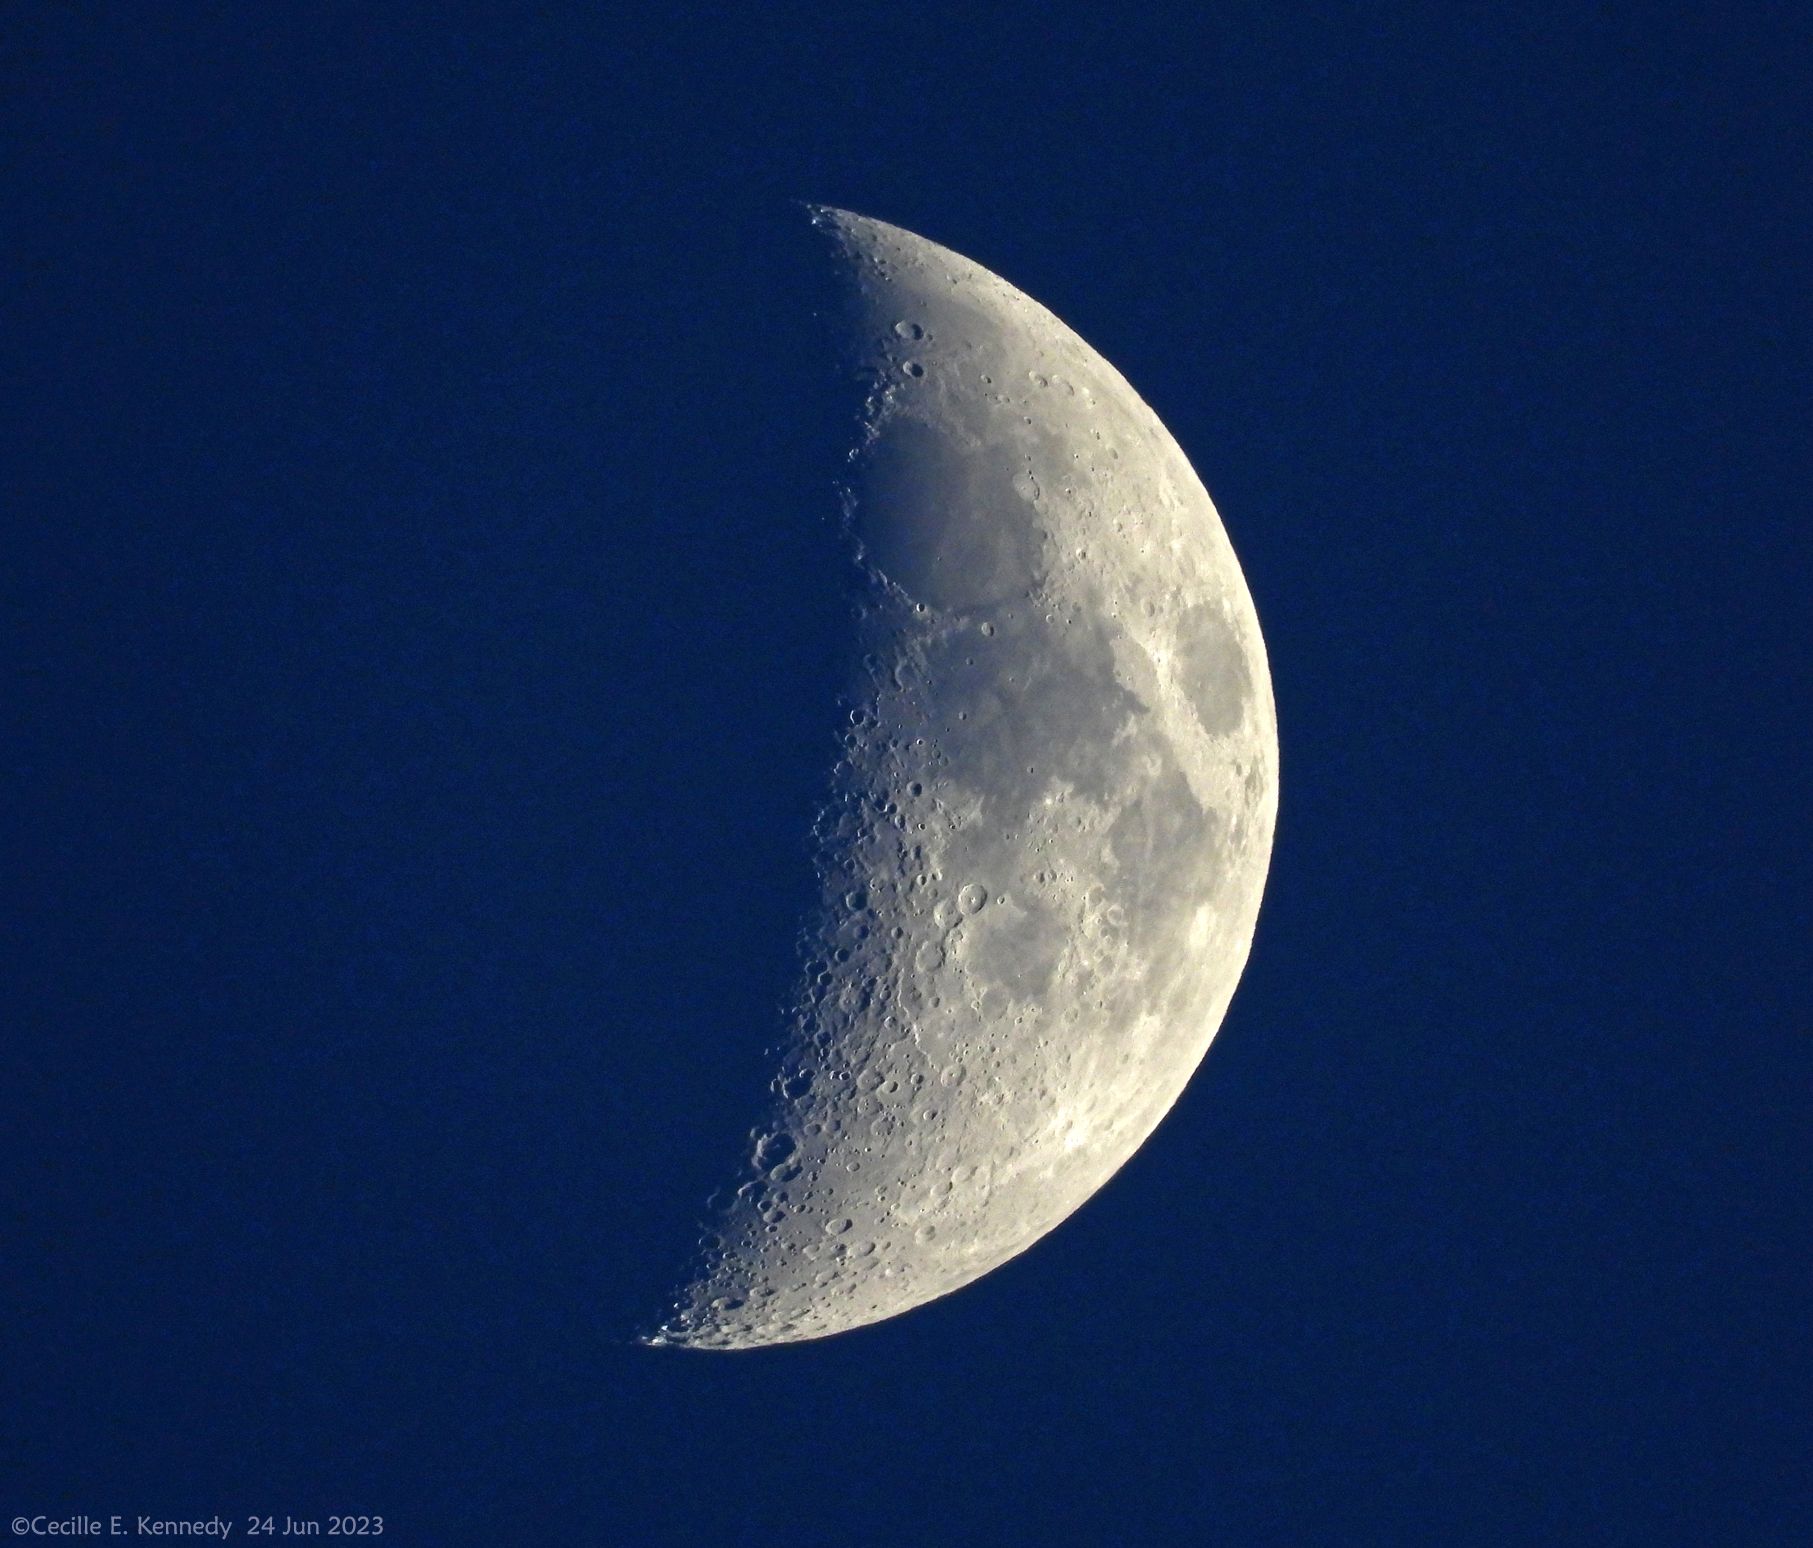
418 678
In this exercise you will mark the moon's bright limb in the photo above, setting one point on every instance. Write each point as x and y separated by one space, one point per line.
1047 837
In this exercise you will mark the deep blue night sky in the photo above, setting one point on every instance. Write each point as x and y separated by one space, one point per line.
420 655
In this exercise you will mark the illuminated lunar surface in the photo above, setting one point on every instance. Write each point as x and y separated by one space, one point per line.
1043 848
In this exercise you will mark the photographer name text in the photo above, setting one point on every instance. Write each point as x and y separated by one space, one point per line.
220 1528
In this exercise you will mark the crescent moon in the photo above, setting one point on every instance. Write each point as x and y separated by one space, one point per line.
1043 848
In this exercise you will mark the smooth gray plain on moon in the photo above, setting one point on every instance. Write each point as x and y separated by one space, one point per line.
1044 845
